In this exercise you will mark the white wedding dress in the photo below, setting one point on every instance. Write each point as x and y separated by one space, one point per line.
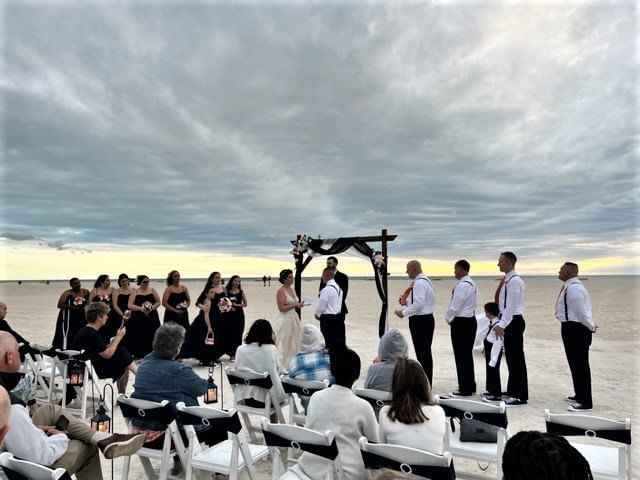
286 326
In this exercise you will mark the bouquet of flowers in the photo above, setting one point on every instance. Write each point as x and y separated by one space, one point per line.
378 259
126 315
103 298
78 300
225 305
300 246
147 306
182 306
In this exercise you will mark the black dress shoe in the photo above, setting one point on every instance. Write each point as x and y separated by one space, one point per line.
458 393
492 398
579 407
513 401
570 398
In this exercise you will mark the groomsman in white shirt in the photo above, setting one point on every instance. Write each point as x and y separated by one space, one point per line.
461 316
419 309
511 327
573 309
328 310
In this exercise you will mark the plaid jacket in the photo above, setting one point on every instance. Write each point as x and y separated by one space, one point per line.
311 366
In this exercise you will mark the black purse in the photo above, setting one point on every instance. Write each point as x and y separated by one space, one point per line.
472 430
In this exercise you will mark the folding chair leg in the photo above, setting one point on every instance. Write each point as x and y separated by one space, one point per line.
148 468
125 467
248 460
249 427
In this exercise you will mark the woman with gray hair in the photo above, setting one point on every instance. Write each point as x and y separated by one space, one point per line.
111 360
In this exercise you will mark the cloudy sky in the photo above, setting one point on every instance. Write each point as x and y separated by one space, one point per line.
160 134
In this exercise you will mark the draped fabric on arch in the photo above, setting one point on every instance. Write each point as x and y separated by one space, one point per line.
335 246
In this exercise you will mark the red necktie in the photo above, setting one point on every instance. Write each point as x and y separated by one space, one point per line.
496 297
405 295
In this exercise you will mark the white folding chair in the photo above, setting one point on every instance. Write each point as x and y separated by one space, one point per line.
95 386
227 457
260 381
161 414
58 373
413 463
458 409
606 462
299 439
16 468
377 398
296 390
40 367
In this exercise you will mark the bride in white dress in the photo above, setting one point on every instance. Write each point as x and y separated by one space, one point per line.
286 324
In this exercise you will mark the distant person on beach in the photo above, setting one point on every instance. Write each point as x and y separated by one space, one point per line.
392 346
342 280
573 309
269 280
461 316
420 299
510 295
531 455
264 280
328 311
286 323
176 301
71 316
103 292
111 360
144 319
235 317
492 355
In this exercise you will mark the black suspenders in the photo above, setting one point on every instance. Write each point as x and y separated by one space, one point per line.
505 290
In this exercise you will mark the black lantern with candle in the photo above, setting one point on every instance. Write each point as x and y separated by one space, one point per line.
101 421
75 372
211 395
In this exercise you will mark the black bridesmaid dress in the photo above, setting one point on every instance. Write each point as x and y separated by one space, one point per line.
195 346
169 316
70 321
141 328
113 320
235 322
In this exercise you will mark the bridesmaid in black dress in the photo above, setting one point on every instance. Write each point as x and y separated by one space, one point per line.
120 299
176 301
71 317
103 292
235 318
144 321
201 341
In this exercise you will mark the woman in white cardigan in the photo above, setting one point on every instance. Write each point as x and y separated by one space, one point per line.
413 419
259 355
338 409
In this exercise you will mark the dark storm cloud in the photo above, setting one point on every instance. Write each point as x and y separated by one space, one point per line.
462 128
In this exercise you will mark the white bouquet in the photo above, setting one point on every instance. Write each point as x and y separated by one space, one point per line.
225 305
147 306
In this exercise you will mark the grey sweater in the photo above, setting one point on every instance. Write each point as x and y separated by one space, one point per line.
392 345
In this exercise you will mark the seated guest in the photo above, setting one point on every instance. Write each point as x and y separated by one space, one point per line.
161 377
259 355
338 409
531 455
312 361
5 327
38 440
413 419
112 360
392 346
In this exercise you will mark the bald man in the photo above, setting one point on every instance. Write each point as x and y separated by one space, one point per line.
418 307
573 309
5 327
38 440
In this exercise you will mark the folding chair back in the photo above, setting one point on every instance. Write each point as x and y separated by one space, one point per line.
462 410
294 387
377 398
605 462
164 416
409 461
261 382
62 358
299 439
16 469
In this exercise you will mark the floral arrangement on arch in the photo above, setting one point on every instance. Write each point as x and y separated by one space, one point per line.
378 259
300 246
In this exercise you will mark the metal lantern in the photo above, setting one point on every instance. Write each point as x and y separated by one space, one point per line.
209 339
75 373
211 395
101 421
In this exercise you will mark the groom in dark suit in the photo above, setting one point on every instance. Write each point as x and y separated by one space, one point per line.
343 282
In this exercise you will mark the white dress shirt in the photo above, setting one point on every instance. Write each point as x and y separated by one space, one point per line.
513 289
330 302
422 299
464 300
496 344
578 303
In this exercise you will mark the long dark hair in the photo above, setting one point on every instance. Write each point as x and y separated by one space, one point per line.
260 333
121 277
230 282
170 277
141 278
100 280
410 390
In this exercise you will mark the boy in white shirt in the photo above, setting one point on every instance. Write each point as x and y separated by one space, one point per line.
492 355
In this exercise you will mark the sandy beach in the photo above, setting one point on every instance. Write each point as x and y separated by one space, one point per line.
614 352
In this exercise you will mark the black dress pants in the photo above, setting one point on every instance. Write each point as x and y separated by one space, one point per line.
421 328
517 385
493 385
332 328
463 336
577 340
